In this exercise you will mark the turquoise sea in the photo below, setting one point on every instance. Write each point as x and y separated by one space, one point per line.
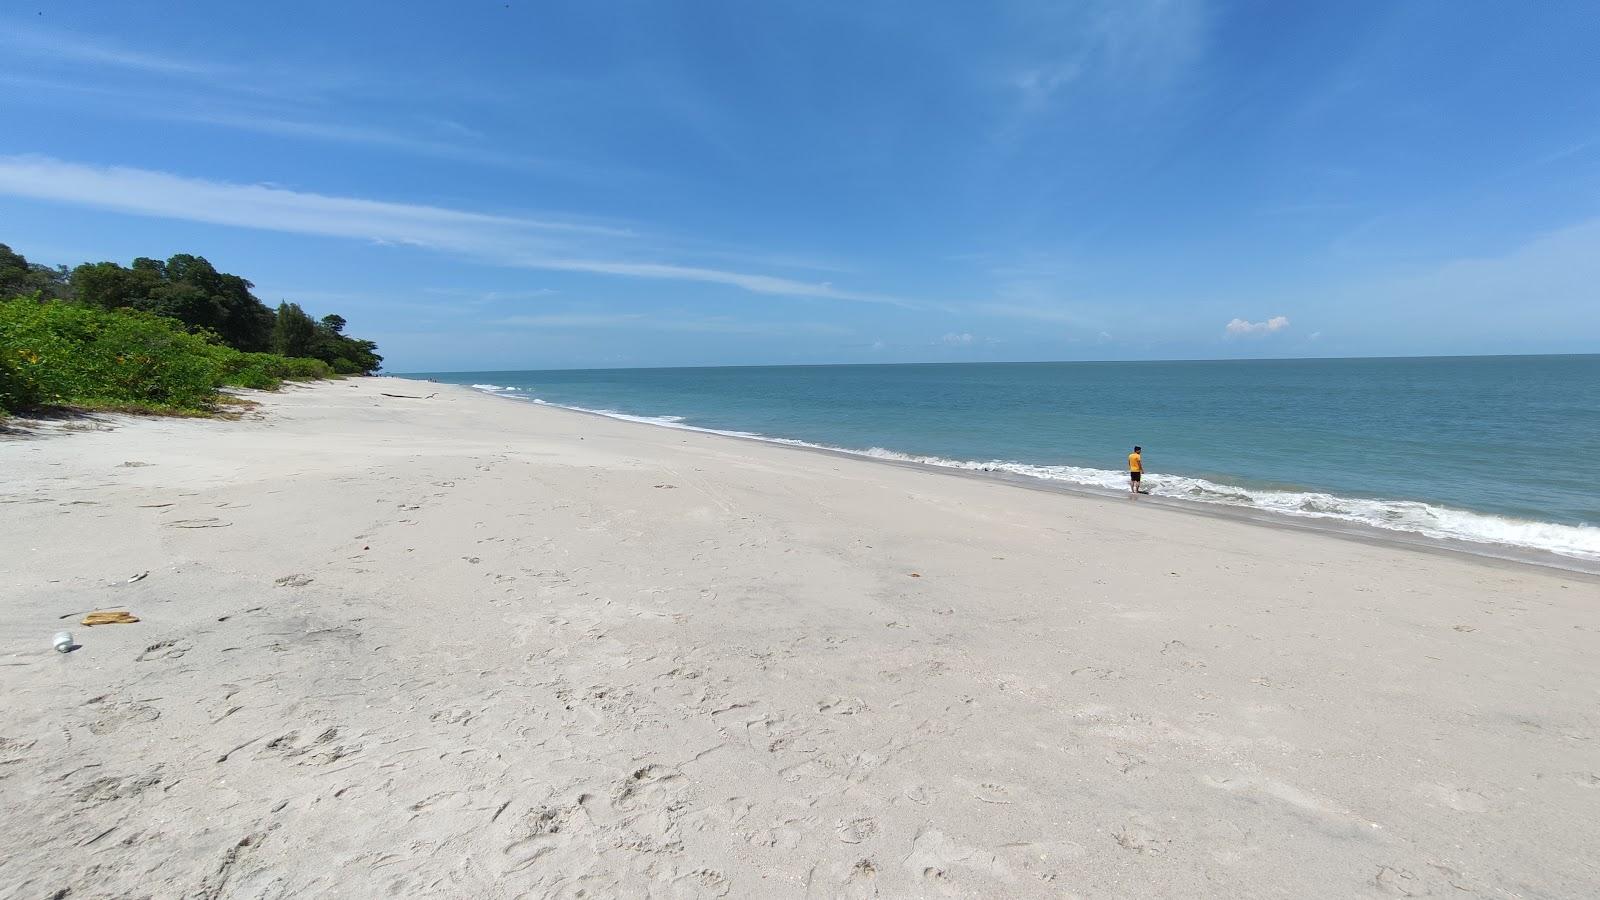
1495 450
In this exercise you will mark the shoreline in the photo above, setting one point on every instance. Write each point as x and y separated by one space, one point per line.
402 646
1496 552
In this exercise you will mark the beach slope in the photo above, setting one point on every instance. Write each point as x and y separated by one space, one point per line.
446 644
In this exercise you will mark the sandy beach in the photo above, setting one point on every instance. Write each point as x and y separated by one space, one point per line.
447 644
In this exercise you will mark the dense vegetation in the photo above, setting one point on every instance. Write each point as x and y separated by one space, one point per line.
161 336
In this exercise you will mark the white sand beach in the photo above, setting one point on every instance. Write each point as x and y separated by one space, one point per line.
448 644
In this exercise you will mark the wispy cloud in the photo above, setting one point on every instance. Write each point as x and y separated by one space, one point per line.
1244 328
1038 83
488 238
1136 43
958 339
166 104
42 44
276 99
757 284
373 137
643 322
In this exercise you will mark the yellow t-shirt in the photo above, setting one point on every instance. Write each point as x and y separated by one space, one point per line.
1135 464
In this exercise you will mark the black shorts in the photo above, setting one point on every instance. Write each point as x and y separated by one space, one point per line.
1134 476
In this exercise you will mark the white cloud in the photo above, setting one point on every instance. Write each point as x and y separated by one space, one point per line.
642 322
1126 42
958 339
758 284
62 47
1241 327
496 239
1039 83
364 135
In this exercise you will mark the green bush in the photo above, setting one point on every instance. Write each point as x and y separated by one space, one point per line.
265 371
16 391
54 353
301 369
60 353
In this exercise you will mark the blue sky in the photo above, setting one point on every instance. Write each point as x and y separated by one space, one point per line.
493 185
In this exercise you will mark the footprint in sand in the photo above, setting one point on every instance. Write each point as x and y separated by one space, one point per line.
1049 861
459 715
1137 837
854 831
116 715
14 750
163 650
1125 762
989 792
320 750
544 830
936 857
861 882
785 834
647 786
841 706
698 883
1393 882
102 790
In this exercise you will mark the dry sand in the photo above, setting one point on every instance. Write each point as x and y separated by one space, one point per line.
462 646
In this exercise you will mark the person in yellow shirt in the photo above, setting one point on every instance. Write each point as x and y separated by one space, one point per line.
1135 471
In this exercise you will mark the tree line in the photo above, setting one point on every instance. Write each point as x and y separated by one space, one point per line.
188 289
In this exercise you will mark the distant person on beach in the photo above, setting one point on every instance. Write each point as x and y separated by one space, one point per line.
1135 471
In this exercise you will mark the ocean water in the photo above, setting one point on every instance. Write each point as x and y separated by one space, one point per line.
1498 451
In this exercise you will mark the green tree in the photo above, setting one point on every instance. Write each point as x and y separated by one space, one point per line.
347 355
19 277
294 333
242 321
110 286
13 270
189 289
184 287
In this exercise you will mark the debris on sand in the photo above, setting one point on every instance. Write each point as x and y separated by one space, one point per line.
118 617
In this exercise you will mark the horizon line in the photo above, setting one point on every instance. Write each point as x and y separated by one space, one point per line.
1025 362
